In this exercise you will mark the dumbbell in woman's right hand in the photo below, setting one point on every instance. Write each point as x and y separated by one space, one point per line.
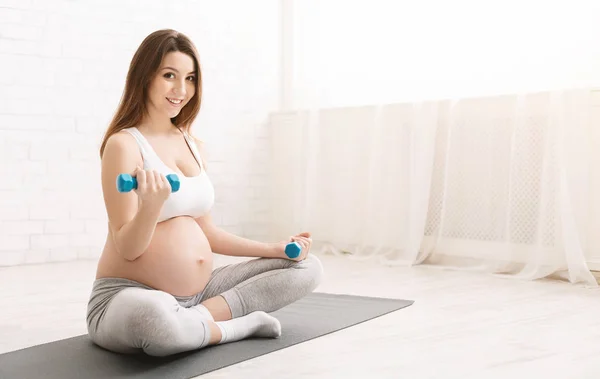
127 182
151 186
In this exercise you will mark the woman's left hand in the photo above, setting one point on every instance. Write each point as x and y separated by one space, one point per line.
305 242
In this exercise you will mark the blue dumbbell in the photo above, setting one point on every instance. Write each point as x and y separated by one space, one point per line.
126 182
293 250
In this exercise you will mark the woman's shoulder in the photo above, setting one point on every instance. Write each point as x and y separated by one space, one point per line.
122 138
121 142
199 142
200 147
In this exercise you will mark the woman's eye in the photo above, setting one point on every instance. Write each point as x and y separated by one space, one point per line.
169 75
191 78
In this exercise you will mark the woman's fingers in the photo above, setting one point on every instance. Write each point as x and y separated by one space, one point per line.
141 179
158 183
304 240
304 243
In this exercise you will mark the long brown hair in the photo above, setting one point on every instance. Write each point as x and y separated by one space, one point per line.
143 67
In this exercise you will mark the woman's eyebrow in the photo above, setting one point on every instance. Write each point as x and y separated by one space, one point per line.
174 69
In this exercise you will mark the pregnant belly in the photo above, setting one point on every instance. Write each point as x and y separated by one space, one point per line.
178 260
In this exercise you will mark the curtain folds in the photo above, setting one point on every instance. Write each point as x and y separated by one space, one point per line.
505 184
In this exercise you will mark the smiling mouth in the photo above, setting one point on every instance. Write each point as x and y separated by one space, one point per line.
175 101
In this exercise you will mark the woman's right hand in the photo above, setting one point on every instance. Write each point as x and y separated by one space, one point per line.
153 188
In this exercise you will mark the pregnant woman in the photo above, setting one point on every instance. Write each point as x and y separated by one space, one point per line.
156 290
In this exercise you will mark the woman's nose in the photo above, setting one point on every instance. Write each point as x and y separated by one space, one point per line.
179 89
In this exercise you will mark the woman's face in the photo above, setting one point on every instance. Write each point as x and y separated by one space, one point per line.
174 84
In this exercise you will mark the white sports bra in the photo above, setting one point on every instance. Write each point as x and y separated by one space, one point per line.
196 194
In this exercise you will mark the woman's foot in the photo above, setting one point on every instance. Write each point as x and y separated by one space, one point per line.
256 324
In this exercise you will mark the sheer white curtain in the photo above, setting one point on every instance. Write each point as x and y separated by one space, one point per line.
501 184
376 167
513 187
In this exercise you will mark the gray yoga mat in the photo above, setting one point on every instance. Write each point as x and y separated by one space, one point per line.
315 315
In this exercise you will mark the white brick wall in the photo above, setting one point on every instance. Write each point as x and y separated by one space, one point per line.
63 66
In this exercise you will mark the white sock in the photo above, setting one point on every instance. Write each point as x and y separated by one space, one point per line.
202 309
255 324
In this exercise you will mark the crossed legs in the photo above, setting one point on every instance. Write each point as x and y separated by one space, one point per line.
233 306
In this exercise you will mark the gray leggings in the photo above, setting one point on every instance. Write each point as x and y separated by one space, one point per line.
125 316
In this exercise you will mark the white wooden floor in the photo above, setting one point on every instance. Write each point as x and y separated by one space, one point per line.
462 325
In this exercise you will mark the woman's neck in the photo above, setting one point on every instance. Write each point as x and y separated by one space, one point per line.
157 124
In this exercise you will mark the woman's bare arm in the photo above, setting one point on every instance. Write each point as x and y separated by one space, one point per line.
131 223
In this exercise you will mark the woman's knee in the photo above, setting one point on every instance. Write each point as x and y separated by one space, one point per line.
311 271
154 323
140 319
